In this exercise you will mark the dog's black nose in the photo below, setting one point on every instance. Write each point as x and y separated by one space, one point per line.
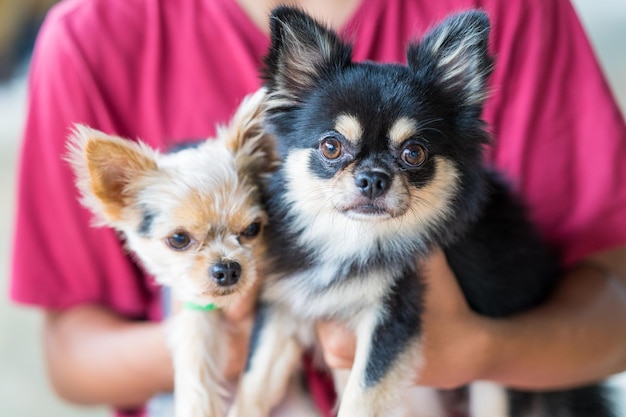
372 184
226 274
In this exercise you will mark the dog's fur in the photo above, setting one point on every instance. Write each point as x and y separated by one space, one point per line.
188 216
381 163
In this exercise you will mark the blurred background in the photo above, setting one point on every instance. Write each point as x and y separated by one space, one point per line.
24 390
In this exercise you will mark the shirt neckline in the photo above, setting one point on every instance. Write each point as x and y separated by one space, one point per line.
258 33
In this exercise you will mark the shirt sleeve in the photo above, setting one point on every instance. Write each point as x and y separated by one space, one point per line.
559 135
59 259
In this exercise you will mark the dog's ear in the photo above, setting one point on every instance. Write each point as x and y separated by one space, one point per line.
107 169
302 51
246 137
456 54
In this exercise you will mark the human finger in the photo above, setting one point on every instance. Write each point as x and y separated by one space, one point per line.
338 344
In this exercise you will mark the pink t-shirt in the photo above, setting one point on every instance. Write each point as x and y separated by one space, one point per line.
168 71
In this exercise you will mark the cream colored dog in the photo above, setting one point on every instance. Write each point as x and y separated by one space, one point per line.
194 219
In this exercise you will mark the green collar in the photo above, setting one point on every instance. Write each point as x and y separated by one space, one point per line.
199 307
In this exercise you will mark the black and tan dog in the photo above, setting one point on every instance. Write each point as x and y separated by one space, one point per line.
381 163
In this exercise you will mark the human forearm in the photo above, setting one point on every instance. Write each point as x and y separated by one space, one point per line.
576 337
97 357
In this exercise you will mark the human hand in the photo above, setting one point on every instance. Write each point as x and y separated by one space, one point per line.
455 340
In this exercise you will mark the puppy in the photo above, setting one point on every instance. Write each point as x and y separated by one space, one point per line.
381 163
194 219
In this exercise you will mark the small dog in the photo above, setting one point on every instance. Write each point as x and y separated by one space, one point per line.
194 218
381 163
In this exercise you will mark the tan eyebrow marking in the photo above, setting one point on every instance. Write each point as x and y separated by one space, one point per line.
349 127
402 129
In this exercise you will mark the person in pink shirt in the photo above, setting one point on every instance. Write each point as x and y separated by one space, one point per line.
167 71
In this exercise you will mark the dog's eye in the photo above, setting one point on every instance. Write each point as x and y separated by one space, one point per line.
179 241
414 155
252 230
330 148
